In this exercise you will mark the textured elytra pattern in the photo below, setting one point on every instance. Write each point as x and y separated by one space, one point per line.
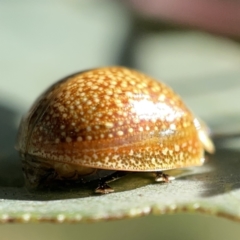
113 118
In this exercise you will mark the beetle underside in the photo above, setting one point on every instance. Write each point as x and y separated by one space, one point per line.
39 173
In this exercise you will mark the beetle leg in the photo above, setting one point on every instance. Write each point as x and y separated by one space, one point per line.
162 177
103 187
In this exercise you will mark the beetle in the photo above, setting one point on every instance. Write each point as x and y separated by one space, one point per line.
101 123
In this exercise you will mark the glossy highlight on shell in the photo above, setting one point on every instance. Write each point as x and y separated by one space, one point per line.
111 118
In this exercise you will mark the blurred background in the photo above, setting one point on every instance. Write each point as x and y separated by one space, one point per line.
192 45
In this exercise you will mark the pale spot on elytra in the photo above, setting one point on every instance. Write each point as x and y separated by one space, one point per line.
164 151
79 139
89 138
176 147
120 133
109 124
130 130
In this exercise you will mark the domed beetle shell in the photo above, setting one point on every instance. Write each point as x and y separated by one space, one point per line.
96 123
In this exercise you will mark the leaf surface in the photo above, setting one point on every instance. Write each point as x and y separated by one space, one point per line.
212 188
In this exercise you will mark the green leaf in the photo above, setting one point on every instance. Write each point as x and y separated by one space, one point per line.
204 70
212 188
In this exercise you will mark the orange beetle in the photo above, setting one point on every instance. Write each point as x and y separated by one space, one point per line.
103 122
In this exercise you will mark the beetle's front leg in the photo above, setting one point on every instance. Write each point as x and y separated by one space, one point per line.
162 177
103 187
